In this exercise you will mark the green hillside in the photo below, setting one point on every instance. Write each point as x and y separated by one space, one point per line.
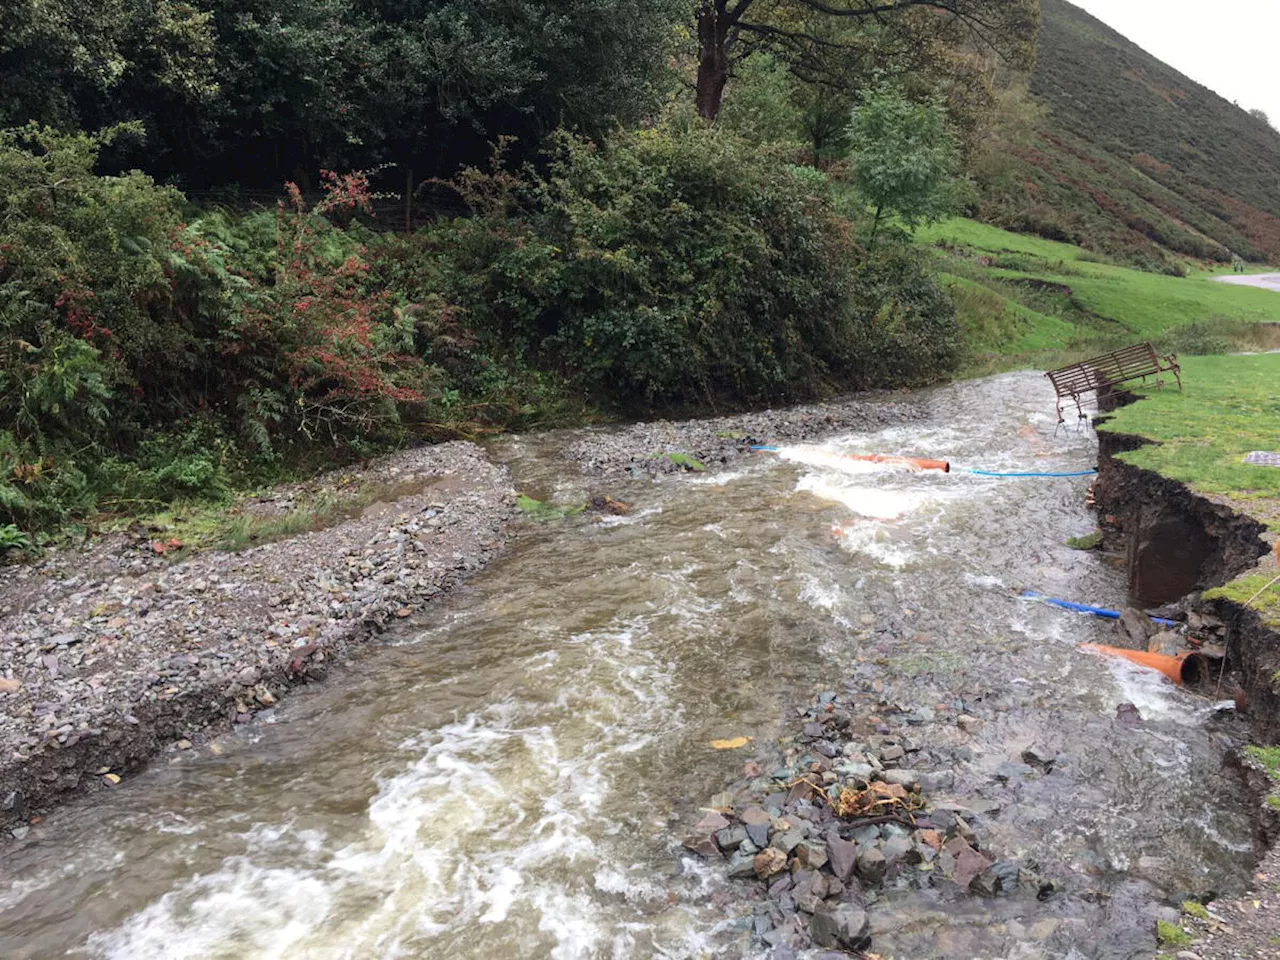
1130 158
1026 301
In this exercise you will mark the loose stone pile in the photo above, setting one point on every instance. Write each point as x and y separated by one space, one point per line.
109 653
643 449
848 816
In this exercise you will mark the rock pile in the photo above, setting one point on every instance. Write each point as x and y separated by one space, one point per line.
849 816
109 653
644 449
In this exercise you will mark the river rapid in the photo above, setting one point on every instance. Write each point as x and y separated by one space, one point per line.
510 777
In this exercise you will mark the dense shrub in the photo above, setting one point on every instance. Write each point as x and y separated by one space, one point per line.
696 268
132 344
663 267
910 334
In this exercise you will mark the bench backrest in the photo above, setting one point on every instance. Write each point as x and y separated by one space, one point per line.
1107 370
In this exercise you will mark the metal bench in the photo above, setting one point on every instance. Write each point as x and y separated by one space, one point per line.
1111 370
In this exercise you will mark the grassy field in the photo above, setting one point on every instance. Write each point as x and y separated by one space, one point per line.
1026 301
1229 407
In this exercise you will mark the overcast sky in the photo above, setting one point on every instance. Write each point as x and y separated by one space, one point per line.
1227 45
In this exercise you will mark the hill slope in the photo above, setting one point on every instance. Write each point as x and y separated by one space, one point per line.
1130 157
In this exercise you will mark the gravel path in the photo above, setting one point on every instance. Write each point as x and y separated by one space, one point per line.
1267 281
110 654
643 448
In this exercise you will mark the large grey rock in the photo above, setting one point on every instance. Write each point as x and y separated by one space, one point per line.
843 857
872 866
757 820
1136 627
843 926
742 865
810 855
902 778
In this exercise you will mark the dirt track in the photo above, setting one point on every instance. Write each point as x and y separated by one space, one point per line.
1267 281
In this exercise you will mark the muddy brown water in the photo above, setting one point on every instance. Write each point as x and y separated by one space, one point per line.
510 779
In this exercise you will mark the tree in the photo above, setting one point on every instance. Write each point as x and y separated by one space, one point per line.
904 158
257 91
1259 114
800 32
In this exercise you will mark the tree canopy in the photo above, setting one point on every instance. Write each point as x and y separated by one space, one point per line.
815 37
257 90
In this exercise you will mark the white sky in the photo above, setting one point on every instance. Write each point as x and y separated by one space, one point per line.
1228 46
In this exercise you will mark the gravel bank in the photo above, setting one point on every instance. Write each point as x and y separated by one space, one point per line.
110 653
643 448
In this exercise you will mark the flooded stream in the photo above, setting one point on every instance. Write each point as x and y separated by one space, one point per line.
510 777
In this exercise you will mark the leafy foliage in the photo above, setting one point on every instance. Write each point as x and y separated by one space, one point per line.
671 266
257 91
905 160
139 354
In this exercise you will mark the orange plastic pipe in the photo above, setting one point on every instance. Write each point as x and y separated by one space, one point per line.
915 463
1183 668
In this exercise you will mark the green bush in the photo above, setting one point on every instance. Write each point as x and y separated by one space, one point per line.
909 331
121 326
663 267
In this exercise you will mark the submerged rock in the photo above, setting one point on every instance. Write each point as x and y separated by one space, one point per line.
844 925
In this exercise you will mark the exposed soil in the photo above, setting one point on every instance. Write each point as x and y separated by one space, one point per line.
1178 543
110 653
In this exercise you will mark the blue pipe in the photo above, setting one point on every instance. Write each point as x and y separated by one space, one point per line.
1078 473
1085 608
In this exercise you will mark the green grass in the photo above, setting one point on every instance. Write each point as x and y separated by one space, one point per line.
982 236
1170 934
1229 406
688 462
1269 757
1193 908
1089 542
229 527
541 512
1023 301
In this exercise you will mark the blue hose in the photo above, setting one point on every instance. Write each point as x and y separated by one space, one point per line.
1085 608
1078 473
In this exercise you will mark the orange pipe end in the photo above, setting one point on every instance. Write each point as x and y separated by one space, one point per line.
913 463
1183 668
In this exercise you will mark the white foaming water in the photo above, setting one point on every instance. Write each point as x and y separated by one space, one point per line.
491 823
829 459
871 502
721 479
243 905
1149 691
875 542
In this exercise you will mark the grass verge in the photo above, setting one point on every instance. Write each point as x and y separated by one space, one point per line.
1024 301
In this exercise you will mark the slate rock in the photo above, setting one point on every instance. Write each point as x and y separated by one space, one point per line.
1038 756
811 855
742 865
730 838
843 926
872 866
769 862
843 857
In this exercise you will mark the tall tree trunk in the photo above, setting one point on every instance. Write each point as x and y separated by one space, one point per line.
713 58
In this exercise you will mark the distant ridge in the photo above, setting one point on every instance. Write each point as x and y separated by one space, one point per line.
1133 159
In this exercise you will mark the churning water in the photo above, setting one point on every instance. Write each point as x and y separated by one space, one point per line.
510 779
